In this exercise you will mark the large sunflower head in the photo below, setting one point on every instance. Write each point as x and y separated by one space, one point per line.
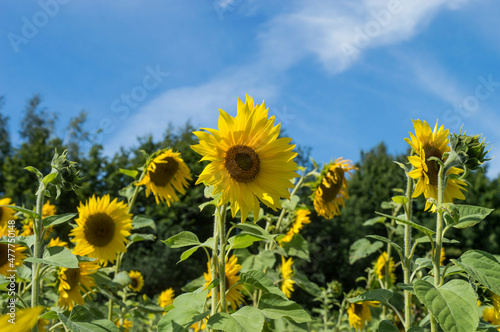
6 251
427 143
103 227
331 189
137 281
6 213
380 268
286 275
234 296
248 162
166 297
74 282
164 172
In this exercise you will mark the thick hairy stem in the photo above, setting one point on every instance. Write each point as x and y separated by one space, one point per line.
407 254
221 215
37 250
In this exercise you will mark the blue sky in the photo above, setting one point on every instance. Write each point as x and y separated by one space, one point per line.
341 76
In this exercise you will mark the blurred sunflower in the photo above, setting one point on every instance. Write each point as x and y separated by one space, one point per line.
125 326
57 242
165 172
5 260
103 227
380 268
428 143
6 213
199 326
443 256
495 300
490 316
166 298
301 218
48 210
330 191
137 281
74 282
248 162
359 313
286 274
233 294
25 320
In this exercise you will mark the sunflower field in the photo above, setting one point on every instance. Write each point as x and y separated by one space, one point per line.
236 228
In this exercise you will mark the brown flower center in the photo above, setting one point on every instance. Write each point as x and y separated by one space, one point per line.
72 277
332 183
99 229
1 212
242 163
358 309
432 165
164 172
3 254
134 283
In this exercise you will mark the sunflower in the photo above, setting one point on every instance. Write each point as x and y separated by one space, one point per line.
6 213
74 282
359 313
233 294
248 162
199 326
7 262
166 297
137 281
427 143
443 256
495 300
126 325
57 243
380 268
490 316
48 210
25 320
301 218
103 227
331 189
165 172
28 229
286 274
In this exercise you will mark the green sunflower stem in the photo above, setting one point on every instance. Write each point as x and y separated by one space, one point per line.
214 266
407 254
221 215
38 248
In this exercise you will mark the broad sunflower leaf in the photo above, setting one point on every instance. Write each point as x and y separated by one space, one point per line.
363 248
82 320
136 237
129 172
274 306
141 221
51 314
483 267
26 241
470 215
290 204
30 213
387 326
122 279
453 304
416 329
380 295
265 259
297 247
56 256
183 239
400 199
421 228
246 319
307 285
35 171
58 219
260 280
255 230
374 221
241 241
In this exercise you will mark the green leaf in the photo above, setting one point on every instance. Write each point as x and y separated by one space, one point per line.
374 221
35 171
297 247
241 241
453 304
30 213
387 326
136 237
392 243
82 320
183 239
186 254
129 172
49 315
246 319
363 248
290 204
471 215
56 256
380 295
260 280
421 228
307 285
425 239
58 219
49 177
26 241
406 287
254 229
416 329
274 306
141 221
122 279
265 259
483 267
400 199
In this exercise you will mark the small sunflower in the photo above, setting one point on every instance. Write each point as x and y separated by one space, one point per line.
74 282
331 189
248 162
103 227
301 218
57 242
490 316
166 297
25 320
381 265
7 262
165 172
233 294
6 213
48 210
286 274
137 281
428 143
359 313
124 326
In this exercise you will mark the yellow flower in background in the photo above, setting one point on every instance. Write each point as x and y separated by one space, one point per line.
28 229
25 320
199 326
74 282
286 275
164 173
495 300
6 262
443 256
301 218
381 265
48 210
331 191
57 242
166 297
234 296
490 316
428 143
6 213
103 227
359 313
125 326
137 281
248 162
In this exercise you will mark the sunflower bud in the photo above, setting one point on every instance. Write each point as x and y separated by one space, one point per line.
471 150
64 175
336 288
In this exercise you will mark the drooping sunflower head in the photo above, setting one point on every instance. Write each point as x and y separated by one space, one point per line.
234 296
165 171
427 143
359 313
330 191
248 162
103 227
6 252
166 297
380 268
6 213
137 281
75 282
286 275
